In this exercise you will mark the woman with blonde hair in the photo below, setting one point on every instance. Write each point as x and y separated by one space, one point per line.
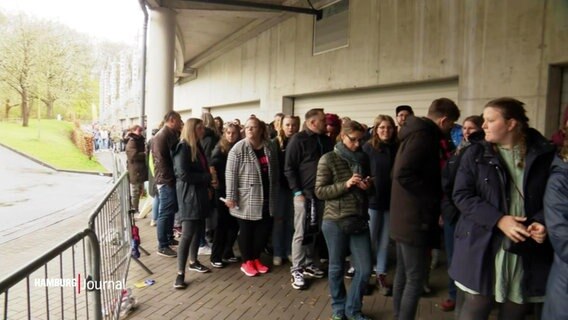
284 216
193 183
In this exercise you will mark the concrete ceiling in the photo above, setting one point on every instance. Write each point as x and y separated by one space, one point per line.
207 30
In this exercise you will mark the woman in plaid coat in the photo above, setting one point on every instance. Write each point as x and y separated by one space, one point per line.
252 181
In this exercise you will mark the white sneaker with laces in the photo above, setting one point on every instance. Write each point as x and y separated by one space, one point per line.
298 281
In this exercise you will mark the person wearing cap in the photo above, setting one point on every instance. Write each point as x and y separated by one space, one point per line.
332 125
403 112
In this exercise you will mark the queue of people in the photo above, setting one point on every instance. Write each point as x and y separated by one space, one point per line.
338 191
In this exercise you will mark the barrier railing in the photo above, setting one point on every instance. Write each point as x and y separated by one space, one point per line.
89 276
58 285
110 222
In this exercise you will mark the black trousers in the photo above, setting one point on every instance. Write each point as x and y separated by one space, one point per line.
253 236
225 234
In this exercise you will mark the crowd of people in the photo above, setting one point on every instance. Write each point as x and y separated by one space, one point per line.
330 197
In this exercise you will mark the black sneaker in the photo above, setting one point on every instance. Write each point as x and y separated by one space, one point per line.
196 266
312 271
217 264
167 252
230 260
180 282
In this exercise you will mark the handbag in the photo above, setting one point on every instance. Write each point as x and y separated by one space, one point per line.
353 225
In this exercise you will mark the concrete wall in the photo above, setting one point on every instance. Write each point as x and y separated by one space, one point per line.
495 48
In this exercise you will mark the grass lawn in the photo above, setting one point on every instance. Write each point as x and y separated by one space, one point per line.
52 145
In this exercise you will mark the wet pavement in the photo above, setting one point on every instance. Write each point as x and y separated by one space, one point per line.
36 201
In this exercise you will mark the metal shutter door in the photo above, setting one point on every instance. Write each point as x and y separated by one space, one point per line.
364 105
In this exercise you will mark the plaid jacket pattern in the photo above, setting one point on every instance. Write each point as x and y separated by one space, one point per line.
244 180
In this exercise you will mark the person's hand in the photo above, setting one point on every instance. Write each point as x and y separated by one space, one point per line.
215 183
364 184
441 221
512 227
230 204
300 198
537 232
353 181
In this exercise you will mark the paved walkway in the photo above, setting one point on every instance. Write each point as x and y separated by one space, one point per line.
228 294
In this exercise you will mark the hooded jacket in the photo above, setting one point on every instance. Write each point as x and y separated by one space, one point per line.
416 188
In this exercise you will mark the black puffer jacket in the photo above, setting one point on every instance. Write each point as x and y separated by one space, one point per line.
481 193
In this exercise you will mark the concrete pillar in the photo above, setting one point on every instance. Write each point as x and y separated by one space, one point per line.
160 65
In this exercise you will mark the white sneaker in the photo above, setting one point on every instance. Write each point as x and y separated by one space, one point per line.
277 261
204 251
298 282
152 223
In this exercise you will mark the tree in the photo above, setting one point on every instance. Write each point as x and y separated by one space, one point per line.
65 65
19 54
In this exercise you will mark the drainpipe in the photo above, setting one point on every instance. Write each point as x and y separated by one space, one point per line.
143 69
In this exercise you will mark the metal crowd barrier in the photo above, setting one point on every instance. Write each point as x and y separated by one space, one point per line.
88 275
54 286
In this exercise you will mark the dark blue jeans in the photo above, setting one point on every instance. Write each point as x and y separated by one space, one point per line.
166 211
342 302
449 230
409 280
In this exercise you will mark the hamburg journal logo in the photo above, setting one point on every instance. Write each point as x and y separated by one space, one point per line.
79 283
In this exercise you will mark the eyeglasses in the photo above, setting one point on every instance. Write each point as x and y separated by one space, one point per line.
353 139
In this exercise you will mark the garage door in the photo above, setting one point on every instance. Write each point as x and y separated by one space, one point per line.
365 105
239 111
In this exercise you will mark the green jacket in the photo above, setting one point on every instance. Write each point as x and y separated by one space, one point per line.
340 201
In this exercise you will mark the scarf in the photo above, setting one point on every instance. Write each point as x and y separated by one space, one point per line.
354 159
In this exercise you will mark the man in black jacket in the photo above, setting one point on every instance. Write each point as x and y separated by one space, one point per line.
415 200
302 155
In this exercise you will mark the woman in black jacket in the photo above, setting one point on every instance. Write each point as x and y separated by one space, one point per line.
472 133
500 251
227 226
381 150
193 182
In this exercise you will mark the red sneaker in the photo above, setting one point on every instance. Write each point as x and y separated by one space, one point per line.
249 269
260 267
448 305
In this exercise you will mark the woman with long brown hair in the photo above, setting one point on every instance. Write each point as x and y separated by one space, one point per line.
227 227
381 150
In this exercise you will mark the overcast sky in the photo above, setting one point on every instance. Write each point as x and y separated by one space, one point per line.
115 20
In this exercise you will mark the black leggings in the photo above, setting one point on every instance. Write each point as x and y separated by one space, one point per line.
191 232
478 307
225 234
253 236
